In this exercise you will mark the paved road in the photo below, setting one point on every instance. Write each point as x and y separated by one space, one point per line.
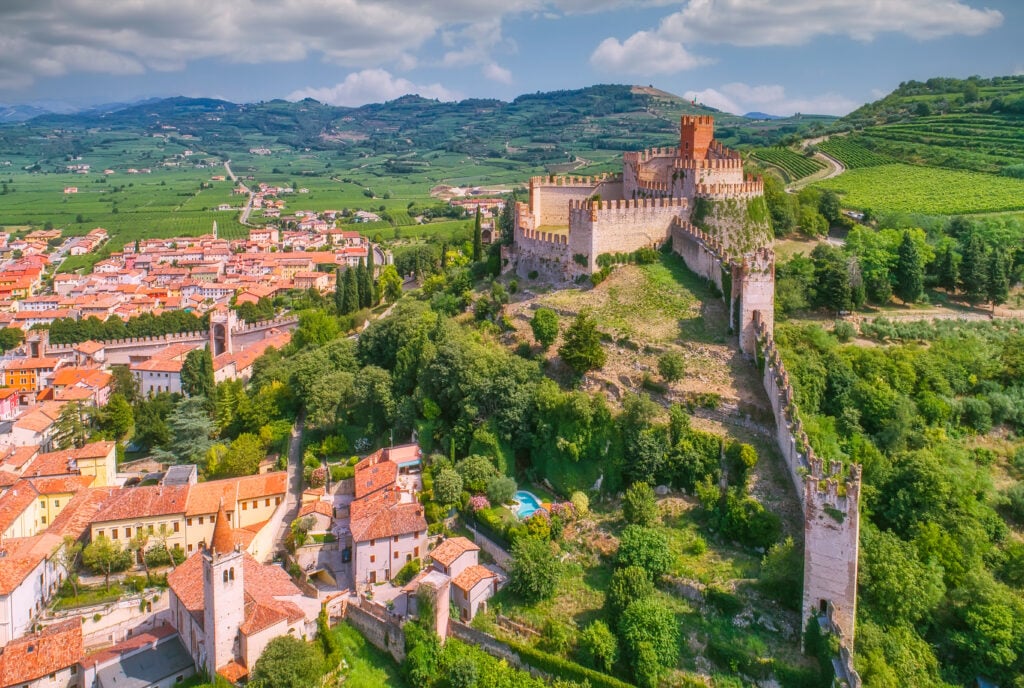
294 495
244 217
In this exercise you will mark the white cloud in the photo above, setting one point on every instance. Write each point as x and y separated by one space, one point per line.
372 86
644 52
496 72
751 23
740 98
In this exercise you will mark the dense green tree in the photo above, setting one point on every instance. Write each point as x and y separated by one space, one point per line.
501 489
997 289
648 620
476 471
197 373
288 662
325 396
362 279
349 293
832 277
581 348
896 587
71 429
829 206
373 403
105 556
447 486
339 291
507 219
242 457
315 329
116 418
639 506
535 569
646 548
124 383
598 646
150 421
11 337
672 366
949 269
190 432
974 268
627 585
390 284
909 272
545 327
371 278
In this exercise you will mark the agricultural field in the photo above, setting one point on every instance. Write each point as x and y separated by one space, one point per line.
793 164
926 190
851 154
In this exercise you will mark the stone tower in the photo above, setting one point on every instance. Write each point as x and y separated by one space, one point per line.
222 321
223 595
695 136
831 538
755 285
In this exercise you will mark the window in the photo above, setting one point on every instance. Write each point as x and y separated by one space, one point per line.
99 533
113 534
188 521
373 558
201 520
225 576
416 552
268 502
465 594
127 531
231 573
396 538
396 555
190 548
277 500
56 503
74 669
150 526
245 506
373 543
177 526
43 519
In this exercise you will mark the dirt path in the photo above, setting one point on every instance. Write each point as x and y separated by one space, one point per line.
833 168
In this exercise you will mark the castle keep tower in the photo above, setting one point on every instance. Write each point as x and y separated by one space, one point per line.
223 596
695 136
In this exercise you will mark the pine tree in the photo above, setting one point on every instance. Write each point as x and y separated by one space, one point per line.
478 242
909 271
71 427
949 269
974 269
998 286
361 285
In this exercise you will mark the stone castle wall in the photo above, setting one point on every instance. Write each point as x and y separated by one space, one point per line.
550 198
621 226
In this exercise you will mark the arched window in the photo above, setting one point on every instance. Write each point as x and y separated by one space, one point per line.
231 574
225 576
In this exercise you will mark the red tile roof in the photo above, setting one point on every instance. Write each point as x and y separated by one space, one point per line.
140 502
317 507
471 576
21 557
233 672
134 643
400 519
75 518
33 656
451 549
62 484
14 502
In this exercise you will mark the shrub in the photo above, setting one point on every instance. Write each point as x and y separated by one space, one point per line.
478 502
646 548
501 490
564 668
639 505
598 646
844 331
339 473
318 477
672 366
627 585
580 504
476 472
406 573
535 569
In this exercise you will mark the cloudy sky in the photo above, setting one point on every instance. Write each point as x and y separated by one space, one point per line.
776 56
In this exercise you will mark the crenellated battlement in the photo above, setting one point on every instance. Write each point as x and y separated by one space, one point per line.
721 150
710 243
697 120
760 260
545 237
747 189
554 180
657 187
628 204
649 154
708 164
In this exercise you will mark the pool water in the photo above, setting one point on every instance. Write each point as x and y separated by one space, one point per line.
526 504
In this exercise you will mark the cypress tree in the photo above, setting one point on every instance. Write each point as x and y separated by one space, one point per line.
444 257
361 283
350 299
370 281
949 270
974 269
909 271
339 291
998 286
478 242
507 219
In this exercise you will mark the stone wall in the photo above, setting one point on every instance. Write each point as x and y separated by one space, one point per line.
549 198
621 226
383 634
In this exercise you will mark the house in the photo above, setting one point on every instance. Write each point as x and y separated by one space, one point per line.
155 509
472 584
162 372
47 659
227 607
96 459
387 524
321 512
152 658
250 502
8 403
28 579
29 374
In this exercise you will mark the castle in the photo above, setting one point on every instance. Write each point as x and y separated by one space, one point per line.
698 198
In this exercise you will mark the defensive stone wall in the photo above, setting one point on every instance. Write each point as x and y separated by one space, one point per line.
549 198
703 254
746 189
383 634
621 226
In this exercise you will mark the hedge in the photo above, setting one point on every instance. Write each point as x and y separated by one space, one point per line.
563 668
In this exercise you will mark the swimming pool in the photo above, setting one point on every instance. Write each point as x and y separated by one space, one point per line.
526 504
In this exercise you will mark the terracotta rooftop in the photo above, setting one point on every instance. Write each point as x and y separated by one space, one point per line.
451 549
233 672
14 502
75 518
62 484
21 557
37 655
263 584
399 519
471 576
19 456
317 507
375 476
139 502
133 643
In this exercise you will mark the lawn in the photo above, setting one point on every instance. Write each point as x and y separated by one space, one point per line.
87 596
368 666
926 190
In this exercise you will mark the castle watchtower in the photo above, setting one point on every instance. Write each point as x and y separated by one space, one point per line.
695 136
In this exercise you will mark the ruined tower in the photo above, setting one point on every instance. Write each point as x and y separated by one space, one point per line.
223 595
222 321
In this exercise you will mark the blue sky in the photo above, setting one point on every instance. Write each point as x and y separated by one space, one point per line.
776 56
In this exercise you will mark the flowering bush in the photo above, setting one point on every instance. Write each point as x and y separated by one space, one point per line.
563 510
478 502
318 478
